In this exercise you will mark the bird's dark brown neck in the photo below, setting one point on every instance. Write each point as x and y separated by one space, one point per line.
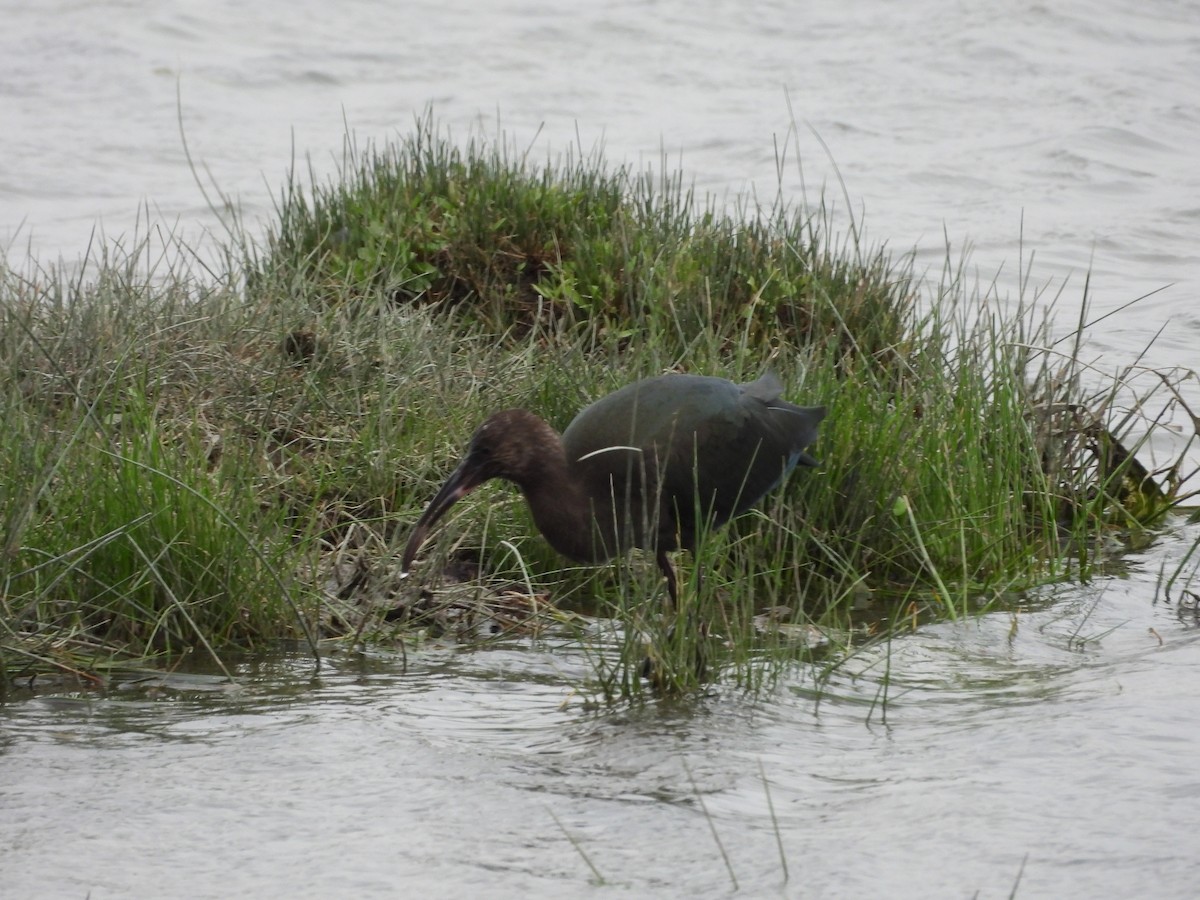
562 510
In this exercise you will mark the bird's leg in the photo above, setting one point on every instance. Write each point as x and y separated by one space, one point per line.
664 563
650 666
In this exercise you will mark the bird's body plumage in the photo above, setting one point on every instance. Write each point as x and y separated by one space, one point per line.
647 466
658 453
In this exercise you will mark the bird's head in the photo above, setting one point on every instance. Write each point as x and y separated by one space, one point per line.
513 444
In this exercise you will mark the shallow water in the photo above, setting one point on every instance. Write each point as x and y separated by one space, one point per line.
1063 737
1054 746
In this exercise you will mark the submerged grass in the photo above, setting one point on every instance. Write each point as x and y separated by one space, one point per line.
232 458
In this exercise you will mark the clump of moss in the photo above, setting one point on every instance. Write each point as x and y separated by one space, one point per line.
508 245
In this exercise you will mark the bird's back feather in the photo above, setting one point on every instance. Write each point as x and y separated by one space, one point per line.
678 451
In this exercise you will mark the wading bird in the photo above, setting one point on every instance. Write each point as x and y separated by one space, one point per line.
648 466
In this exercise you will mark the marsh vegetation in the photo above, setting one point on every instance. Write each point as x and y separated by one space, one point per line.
206 455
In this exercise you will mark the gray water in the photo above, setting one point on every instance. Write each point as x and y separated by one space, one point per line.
1055 745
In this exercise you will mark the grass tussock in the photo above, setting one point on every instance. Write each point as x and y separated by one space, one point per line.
232 458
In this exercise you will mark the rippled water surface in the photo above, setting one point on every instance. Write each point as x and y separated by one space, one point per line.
1056 746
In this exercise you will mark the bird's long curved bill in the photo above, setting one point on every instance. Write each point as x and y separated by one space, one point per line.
461 482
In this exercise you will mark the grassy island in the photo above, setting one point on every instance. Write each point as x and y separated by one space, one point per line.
202 457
